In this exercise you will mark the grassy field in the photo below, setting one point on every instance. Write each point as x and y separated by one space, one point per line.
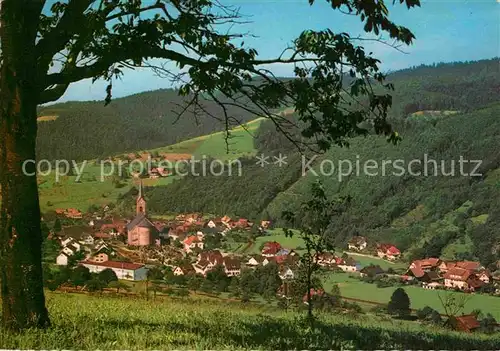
353 288
86 322
91 190
214 145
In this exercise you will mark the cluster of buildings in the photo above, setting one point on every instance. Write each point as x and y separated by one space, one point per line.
72 213
463 275
383 250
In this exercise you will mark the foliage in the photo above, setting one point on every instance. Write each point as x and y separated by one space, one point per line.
107 276
313 220
399 303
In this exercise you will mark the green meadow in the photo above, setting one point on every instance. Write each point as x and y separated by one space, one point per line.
419 297
87 322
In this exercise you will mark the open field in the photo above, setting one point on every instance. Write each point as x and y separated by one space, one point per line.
214 145
91 190
87 322
419 297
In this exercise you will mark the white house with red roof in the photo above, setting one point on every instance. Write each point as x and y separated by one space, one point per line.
192 242
271 248
388 251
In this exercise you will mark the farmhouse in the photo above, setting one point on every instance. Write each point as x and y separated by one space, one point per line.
347 265
388 251
256 260
184 270
326 259
123 270
232 266
286 273
357 243
271 248
457 278
192 242
208 260
62 259
73 213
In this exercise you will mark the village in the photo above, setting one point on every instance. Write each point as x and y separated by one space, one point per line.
191 245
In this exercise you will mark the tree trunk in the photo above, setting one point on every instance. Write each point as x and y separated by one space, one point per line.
23 300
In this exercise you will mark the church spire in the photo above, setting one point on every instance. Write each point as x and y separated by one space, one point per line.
141 202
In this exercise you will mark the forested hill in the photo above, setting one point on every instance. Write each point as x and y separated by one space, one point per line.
87 130
457 114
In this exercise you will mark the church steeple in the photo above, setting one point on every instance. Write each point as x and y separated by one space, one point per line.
141 202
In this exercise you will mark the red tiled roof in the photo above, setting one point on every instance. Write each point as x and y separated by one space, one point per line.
468 322
428 262
115 264
191 239
388 249
470 265
458 274
271 247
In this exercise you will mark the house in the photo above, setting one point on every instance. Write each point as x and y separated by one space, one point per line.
200 235
99 257
371 271
183 270
388 251
62 259
484 276
66 241
123 270
466 323
286 273
425 270
347 265
208 260
73 213
256 260
357 243
426 264
210 224
232 266
87 239
265 224
70 249
468 265
326 259
211 256
192 242
457 278
241 223
271 248
226 220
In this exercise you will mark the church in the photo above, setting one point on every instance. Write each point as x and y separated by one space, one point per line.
141 231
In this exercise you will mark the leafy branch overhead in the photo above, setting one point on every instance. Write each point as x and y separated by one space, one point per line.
333 95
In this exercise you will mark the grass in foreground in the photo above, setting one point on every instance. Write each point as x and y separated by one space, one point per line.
419 297
87 322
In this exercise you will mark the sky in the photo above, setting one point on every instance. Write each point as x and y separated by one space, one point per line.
445 30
